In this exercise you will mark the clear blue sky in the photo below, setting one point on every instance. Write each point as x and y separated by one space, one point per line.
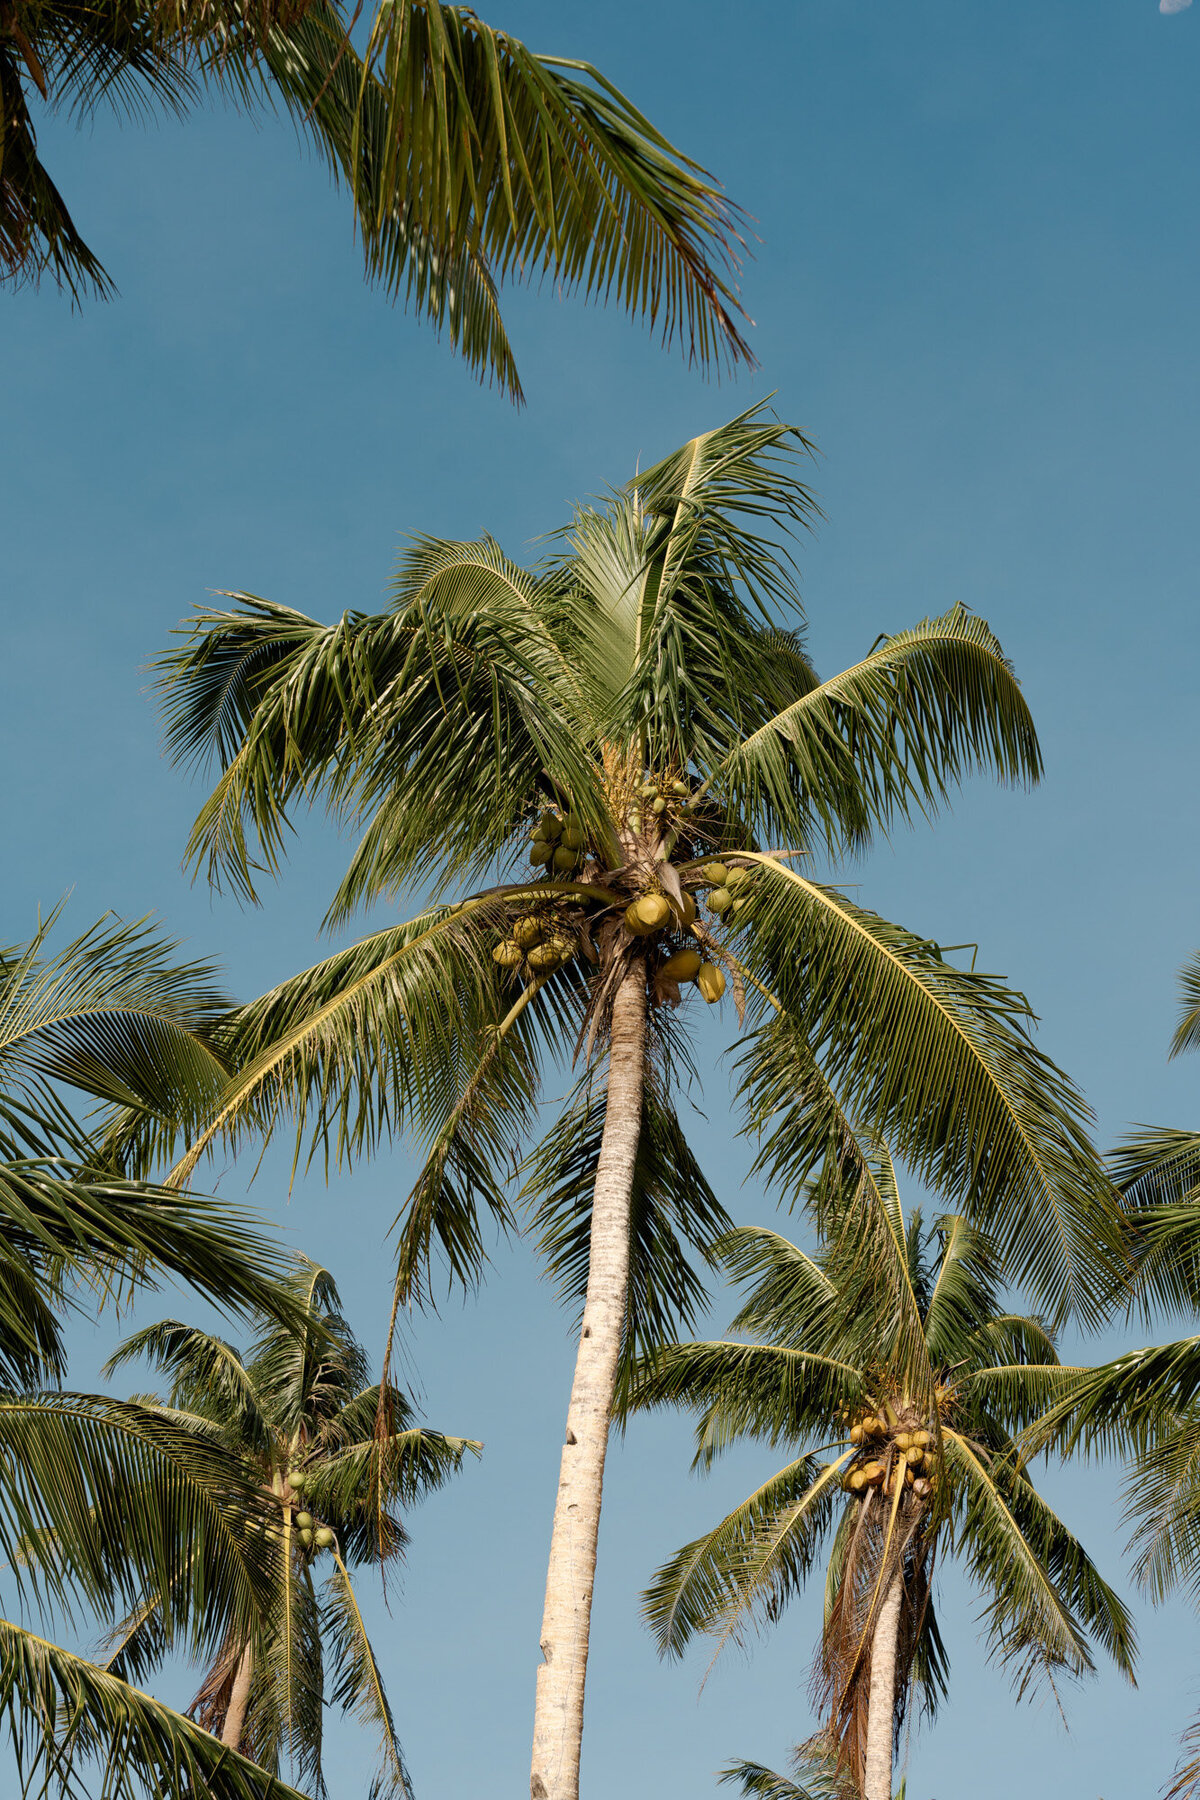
976 290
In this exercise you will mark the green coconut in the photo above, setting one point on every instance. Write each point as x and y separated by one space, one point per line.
720 900
683 966
565 860
679 787
322 1537
654 911
572 837
303 1521
297 1480
711 982
541 853
550 826
715 873
736 878
306 1537
659 805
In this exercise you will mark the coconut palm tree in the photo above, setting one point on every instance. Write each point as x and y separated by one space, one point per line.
887 1368
308 1430
91 1493
469 160
637 716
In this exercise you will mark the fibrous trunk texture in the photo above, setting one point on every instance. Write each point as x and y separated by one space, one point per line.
881 1707
235 1718
558 1715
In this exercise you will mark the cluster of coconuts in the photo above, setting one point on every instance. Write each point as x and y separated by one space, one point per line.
652 913
654 798
891 1456
729 890
538 943
311 1535
558 845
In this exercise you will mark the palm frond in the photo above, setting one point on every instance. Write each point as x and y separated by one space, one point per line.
357 1685
940 1063
1157 1170
63 1711
1187 1032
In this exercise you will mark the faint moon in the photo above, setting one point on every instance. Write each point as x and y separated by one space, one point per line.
1173 6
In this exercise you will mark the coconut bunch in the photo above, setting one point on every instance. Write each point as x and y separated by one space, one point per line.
312 1535
730 890
896 1451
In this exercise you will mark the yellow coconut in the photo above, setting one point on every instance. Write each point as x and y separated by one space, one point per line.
720 899
544 957
922 1438
683 966
528 931
872 1472
654 911
856 1434
858 1481
710 981
903 1440
687 910
508 955
715 874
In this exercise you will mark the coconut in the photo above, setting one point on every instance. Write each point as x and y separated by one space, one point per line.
306 1537
715 873
683 966
544 958
720 899
572 837
654 911
710 981
903 1440
909 1478
565 859
303 1520
872 1472
679 787
508 955
922 1438
647 790
659 805
528 931
323 1537
541 854
297 1479
856 1434
736 878
550 826
858 1480
687 910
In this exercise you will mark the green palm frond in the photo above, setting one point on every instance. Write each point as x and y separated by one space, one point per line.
822 1780
1157 1170
1044 1594
743 1571
672 1209
62 1710
207 1374
939 1061
116 1501
357 1685
548 170
1187 1032
889 736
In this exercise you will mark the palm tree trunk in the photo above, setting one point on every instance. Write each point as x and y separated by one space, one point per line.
235 1718
558 1714
881 1706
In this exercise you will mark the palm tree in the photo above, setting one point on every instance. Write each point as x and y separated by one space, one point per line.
307 1430
90 1491
887 1368
638 716
469 159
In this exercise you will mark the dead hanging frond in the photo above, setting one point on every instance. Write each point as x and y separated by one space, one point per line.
885 1541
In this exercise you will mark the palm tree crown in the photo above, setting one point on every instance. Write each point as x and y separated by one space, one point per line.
889 1370
332 1457
638 718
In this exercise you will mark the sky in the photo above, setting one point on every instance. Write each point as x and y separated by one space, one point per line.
974 284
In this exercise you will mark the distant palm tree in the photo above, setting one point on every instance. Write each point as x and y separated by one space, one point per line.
309 1431
90 1489
888 1368
638 717
469 160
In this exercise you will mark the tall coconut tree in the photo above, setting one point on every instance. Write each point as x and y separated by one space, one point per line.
889 1370
332 1457
637 717
95 1499
469 160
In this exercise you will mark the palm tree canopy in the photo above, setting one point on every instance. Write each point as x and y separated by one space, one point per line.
114 1016
469 159
645 691
889 1372
330 1458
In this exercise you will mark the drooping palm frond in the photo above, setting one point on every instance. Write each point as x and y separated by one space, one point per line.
821 1780
116 1501
939 1061
207 1375
357 1685
1157 1170
672 1209
1187 1032
62 1711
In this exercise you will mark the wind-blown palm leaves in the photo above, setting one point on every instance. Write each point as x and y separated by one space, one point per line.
901 1448
324 1460
638 716
469 160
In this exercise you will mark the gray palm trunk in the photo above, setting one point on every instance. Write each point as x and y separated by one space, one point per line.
558 1716
881 1706
239 1699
